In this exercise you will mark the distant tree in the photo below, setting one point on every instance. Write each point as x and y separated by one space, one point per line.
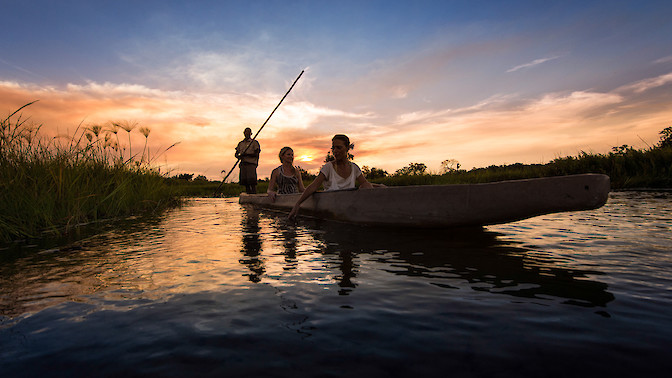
620 150
450 165
665 137
413 169
331 157
201 178
185 176
373 172
305 175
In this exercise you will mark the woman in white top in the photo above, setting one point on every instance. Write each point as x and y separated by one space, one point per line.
286 177
338 174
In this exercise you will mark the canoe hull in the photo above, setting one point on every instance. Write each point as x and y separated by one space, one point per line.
449 205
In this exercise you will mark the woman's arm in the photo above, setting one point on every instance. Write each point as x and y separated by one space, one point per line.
307 193
302 188
361 180
271 186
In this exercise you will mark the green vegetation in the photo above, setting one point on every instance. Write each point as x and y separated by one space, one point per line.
49 185
627 167
184 186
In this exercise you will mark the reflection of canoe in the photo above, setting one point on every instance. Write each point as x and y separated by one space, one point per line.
452 259
450 205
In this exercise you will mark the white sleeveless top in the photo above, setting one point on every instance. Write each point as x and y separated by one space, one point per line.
335 182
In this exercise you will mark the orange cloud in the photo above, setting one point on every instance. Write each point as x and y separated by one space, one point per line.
501 129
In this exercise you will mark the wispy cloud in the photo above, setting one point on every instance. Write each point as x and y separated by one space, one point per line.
666 59
21 69
647 84
533 63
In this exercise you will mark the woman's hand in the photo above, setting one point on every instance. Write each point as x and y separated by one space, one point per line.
293 213
272 195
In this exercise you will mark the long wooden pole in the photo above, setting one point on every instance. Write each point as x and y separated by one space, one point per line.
255 135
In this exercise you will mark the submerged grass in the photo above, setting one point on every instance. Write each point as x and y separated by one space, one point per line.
49 185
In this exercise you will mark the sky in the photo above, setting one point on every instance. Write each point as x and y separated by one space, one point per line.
482 82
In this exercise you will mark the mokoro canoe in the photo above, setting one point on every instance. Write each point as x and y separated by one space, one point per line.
449 205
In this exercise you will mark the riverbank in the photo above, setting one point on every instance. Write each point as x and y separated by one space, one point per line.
631 169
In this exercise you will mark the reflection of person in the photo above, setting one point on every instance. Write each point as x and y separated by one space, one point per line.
248 152
252 247
338 174
286 177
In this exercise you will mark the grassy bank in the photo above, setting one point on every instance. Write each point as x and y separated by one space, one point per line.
49 185
628 168
205 188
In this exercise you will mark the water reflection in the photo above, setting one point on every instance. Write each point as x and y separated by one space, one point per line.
449 257
214 245
52 271
251 245
345 262
288 236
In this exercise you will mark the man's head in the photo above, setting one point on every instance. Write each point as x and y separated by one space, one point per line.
247 132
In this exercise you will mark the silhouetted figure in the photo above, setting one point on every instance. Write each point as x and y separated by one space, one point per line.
248 152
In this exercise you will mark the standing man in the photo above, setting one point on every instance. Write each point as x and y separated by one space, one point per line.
248 152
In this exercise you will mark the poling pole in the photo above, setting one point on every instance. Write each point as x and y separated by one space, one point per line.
255 135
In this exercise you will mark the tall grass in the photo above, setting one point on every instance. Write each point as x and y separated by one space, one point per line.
53 184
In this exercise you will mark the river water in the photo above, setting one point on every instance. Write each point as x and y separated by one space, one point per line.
217 289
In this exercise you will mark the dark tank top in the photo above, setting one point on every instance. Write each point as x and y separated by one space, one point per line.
286 184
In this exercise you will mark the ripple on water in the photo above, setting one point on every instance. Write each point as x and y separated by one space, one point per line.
214 288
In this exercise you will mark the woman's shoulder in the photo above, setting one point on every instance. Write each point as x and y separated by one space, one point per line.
328 165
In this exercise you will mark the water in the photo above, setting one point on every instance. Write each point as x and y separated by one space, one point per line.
216 289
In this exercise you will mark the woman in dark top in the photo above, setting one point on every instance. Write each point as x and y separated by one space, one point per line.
286 177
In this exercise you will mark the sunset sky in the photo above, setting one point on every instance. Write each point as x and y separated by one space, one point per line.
482 82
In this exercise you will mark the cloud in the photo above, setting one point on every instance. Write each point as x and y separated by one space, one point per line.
21 69
666 59
502 128
507 129
533 63
208 125
647 84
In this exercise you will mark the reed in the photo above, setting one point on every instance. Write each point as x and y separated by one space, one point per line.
50 185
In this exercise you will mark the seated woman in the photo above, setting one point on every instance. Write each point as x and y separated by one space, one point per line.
338 174
286 177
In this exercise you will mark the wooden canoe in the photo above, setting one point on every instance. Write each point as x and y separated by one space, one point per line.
449 205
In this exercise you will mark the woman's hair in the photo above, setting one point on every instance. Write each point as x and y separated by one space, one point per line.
343 138
282 152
